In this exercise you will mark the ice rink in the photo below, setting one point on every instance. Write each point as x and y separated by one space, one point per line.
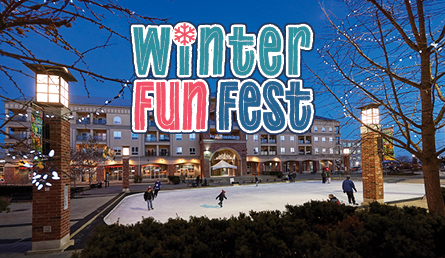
273 196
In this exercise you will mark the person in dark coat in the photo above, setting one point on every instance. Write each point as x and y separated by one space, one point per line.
256 180
149 197
157 187
323 177
197 181
348 186
221 197
333 199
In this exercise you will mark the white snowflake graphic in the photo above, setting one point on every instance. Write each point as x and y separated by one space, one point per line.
185 34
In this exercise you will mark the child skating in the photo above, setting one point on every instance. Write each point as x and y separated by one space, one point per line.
221 197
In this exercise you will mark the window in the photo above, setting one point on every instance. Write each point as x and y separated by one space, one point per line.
178 150
134 151
331 140
316 150
179 137
323 139
117 151
323 150
134 136
315 129
315 138
359 151
255 137
283 150
117 135
331 151
292 150
192 137
117 120
247 137
292 139
330 129
323 129
283 138
192 150
255 150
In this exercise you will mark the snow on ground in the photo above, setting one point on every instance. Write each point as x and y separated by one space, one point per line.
274 196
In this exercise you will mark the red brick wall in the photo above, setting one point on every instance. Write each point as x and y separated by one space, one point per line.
48 203
100 174
371 167
9 175
125 173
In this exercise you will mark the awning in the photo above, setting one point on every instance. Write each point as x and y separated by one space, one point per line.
222 164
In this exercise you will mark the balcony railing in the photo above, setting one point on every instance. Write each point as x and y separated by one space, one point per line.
308 152
301 153
150 138
164 138
100 121
83 137
272 153
308 142
224 137
100 138
18 136
263 140
301 141
19 118
83 121
272 141
264 153
164 154
150 153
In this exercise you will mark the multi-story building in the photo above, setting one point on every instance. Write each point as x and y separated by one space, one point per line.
157 154
355 152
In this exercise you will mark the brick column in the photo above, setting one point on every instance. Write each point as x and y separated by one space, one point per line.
371 167
316 165
300 166
261 166
171 170
9 174
100 173
51 205
126 174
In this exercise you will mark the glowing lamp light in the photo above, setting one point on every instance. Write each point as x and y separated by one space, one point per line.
346 151
370 114
51 83
125 151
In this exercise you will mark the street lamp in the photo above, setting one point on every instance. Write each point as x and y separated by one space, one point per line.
371 144
346 161
125 169
51 90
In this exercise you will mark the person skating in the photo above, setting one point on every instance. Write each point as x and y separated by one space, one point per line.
256 180
197 181
323 177
221 197
149 197
348 186
157 187
329 176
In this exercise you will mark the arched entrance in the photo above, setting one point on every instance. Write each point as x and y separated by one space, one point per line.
225 162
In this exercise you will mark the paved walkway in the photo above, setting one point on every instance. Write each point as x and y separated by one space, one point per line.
90 209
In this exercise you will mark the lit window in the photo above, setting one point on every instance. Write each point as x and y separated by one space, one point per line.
283 150
192 137
331 140
315 129
323 150
178 150
323 139
316 150
117 120
192 150
117 135
331 151
292 139
117 151
283 138
315 139
255 150
179 137
292 150
323 129
134 136
255 137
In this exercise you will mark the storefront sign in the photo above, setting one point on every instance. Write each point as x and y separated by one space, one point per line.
225 156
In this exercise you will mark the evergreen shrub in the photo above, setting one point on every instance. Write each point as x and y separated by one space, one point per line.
175 179
315 229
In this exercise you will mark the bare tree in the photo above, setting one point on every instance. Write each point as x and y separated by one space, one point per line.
392 53
86 157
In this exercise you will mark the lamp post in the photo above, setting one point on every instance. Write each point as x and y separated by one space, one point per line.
371 143
346 161
51 205
125 169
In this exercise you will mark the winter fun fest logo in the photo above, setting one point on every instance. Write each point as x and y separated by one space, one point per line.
183 105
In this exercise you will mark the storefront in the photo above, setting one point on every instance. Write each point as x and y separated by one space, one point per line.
187 170
115 172
225 162
154 171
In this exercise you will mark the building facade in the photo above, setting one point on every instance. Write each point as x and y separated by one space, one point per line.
157 154
355 152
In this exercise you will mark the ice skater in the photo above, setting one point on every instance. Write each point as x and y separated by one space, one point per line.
157 187
149 197
348 186
221 197
256 180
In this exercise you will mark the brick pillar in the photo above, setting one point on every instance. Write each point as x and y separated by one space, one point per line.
100 173
300 166
171 170
346 164
260 168
371 167
125 174
51 205
9 171
316 166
